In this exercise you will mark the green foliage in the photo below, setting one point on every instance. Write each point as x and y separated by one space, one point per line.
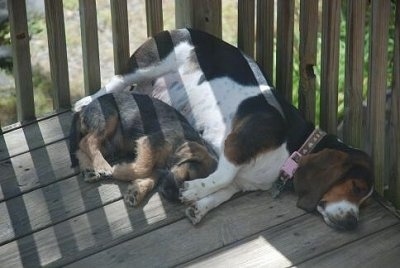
5 34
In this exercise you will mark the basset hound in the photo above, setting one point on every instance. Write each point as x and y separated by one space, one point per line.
253 129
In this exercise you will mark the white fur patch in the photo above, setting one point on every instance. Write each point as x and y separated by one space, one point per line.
337 212
261 173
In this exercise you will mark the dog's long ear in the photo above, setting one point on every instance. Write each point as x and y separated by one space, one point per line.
316 175
194 160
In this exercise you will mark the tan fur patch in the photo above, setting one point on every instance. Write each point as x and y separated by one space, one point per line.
352 190
195 162
138 190
148 157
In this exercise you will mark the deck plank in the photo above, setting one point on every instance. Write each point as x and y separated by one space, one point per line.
52 204
89 233
378 250
51 217
109 225
34 135
31 170
294 241
181 241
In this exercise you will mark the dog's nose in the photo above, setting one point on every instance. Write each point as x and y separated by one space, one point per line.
349 222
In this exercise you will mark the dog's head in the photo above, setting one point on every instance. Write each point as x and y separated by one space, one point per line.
192 160
335 183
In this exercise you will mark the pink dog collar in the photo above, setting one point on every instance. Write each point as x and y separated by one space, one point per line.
292 163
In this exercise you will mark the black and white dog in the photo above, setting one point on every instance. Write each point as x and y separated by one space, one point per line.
225 96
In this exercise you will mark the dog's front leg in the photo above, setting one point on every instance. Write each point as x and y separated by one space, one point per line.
200 208
222 176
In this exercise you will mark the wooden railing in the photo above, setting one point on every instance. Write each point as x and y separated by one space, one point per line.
257 37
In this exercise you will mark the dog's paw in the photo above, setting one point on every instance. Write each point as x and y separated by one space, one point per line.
194 214
132 197
192 191
95 175
81 103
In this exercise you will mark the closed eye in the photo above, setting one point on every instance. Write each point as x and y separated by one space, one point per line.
358 191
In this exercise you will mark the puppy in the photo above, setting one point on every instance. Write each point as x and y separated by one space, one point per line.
157 141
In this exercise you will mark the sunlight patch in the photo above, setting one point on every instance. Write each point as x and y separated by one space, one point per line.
47 246
254 253
154 210
118 219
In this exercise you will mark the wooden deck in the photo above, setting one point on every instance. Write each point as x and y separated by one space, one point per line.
50 217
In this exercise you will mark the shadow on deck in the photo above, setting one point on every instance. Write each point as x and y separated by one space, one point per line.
50 217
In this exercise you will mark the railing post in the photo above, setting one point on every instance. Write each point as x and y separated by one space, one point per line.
284 48
330 65
21 59
57 53
90 46
119 18
377 88
246 9
265 36
353 108
184 13
203 15
154 17
394 145
308 57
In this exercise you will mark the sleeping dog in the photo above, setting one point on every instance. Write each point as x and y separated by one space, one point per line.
256 133
124 126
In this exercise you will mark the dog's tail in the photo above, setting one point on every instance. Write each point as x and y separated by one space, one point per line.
75 136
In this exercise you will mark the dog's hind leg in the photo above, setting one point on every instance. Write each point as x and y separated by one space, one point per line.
151 152
139 189
90 147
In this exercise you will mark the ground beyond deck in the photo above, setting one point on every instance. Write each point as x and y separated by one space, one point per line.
50 217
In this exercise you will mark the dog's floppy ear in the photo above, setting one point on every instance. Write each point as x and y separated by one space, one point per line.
316 174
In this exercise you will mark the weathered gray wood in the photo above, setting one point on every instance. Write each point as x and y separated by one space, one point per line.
184 16
265 36
298 238
119 18
34 135
378 250
308 57
207 16
53 204
90 46
154 17
92 232
394 142
295 241
329 65
22 68
377 88
353 127
57 53
35 169
182 241
284 48
246 9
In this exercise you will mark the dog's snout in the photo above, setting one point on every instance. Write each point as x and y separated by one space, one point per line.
341 215
349 222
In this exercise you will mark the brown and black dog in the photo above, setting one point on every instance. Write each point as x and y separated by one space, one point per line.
157 142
